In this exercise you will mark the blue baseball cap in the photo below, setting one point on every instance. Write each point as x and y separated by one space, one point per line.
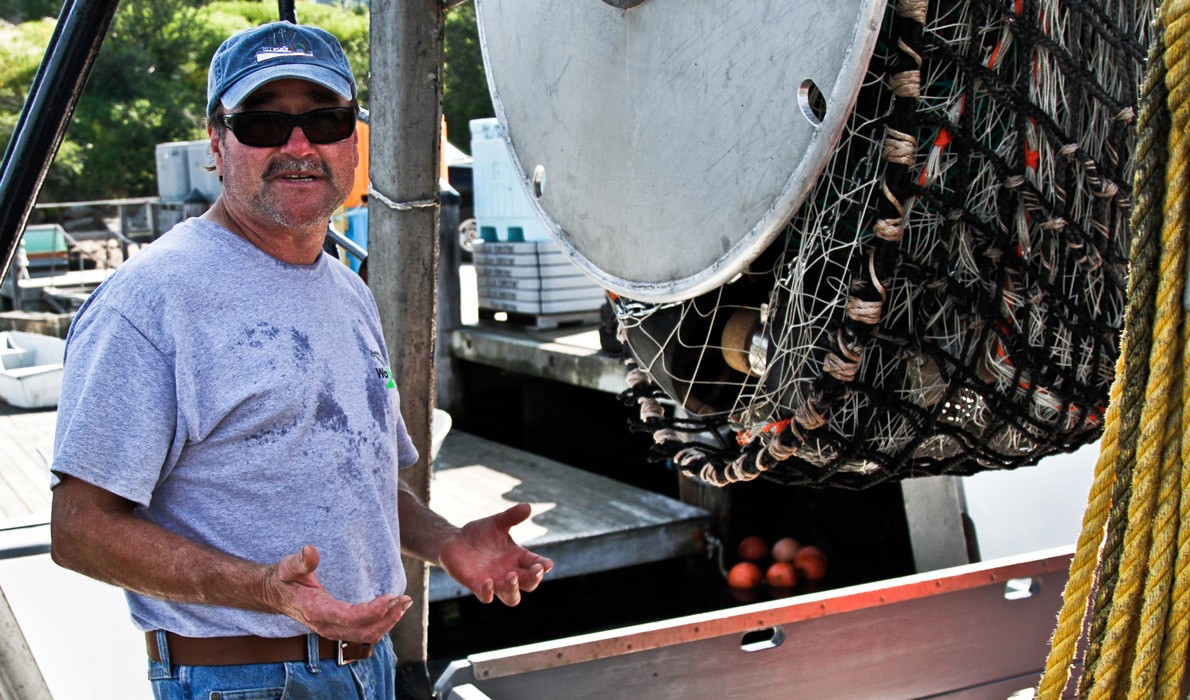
275 51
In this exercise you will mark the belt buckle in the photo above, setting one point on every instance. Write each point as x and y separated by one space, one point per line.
340 646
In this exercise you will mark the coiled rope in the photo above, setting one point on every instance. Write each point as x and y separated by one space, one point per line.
1133 556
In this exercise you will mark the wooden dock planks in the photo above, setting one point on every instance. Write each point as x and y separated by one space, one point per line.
26 443
585 522
567 355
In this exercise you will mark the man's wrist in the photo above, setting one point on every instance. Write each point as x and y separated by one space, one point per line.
268 594
424 533
446 536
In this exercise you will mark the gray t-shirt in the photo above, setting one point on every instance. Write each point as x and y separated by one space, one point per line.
244 403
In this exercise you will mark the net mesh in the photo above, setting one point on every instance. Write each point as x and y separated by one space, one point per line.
949 297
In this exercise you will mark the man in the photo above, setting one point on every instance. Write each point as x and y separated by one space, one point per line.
228 434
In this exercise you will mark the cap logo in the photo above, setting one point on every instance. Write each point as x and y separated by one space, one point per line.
281 48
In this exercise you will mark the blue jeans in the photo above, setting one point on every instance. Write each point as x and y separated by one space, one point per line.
367 679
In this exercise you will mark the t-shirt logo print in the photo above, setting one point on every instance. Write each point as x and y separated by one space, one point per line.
383 371
282 43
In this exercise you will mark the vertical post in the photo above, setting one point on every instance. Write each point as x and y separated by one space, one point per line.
125 224
940 530
286 11
716 500
447 392
406 106
15 271
19 675
151 221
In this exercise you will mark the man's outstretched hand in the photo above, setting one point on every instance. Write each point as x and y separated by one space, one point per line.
292 588
483 557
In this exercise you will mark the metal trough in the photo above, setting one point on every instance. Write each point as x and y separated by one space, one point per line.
972 632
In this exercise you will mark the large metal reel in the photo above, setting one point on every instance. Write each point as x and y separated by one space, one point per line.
667 144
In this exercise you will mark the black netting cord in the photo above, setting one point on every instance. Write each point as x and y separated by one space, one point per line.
1007 435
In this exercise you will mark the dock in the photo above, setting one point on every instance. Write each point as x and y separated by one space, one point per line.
26 447
586 522
568 355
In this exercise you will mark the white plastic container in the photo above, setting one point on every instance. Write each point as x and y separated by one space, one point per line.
595 297
541 308
198 155
502 207
173 171
492 281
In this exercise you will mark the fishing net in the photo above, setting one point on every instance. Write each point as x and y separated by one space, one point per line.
949 297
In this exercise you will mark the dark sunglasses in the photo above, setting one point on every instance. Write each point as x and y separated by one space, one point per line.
269 129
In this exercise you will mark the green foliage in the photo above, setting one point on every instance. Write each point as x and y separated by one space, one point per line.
464 84
142 91
17 11
148 85
21 48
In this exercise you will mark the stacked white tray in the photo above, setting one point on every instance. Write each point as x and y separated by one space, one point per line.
532 277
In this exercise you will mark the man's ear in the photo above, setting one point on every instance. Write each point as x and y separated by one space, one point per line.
216 149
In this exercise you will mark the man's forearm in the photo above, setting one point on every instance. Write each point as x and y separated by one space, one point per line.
423 531
100 537
95 533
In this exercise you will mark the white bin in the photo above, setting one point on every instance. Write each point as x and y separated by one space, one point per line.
173 172
198 155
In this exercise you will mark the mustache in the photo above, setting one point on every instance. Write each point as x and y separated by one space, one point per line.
287 164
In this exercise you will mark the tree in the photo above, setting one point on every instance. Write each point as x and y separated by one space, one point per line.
148 85
17 11
464 83
142 91
21 49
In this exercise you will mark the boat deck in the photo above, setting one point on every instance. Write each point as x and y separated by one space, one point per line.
586 522
26 446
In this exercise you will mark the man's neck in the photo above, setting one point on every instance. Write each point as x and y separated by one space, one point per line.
293 246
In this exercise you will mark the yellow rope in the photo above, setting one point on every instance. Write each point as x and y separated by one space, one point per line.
1144 564
1158 569
1177 214
1177 625
1082 568
1146 618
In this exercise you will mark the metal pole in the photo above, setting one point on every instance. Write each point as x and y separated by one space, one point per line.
447 393
406 95
286 11
19 675
82 25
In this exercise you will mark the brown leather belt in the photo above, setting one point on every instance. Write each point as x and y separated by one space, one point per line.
233 651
